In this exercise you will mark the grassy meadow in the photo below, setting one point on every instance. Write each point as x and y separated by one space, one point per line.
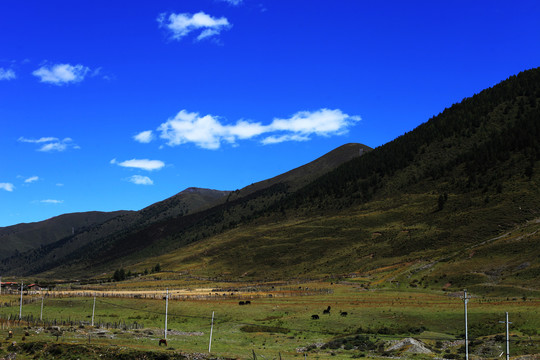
281 324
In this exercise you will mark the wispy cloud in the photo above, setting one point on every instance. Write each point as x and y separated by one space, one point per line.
209 132
38 141
50 144
144 137
321 122
141 180
180 25
232 2
143 164
57 146
7 186
31 179
7 74
279 139
61 74
52 201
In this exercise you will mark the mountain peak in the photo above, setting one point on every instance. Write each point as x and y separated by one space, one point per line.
196 190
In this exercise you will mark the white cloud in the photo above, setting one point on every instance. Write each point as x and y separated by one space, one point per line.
31 179
144 137
206 132
7 186
209 132
37 141
7 74
52 201
59 184
141 180
279 139
143 164
321 122
60 74
56 146
51 143
207 33
180 25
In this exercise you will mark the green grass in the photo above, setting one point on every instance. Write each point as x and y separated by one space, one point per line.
274 325
458 245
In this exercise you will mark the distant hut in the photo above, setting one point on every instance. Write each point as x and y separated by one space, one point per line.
9 286
34 288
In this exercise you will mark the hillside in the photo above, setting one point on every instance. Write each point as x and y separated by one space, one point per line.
303 175
62 242
453 203
156 229
23 237
437 207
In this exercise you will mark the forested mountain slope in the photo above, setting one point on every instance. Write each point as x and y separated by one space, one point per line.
455 202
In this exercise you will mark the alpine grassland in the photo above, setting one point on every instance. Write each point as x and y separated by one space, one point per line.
278 321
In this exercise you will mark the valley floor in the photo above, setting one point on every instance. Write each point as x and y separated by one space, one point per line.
283 320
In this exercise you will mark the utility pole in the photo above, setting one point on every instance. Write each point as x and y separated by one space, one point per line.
93 310
507 337
41 314
20 308
211 330
466 300
166 311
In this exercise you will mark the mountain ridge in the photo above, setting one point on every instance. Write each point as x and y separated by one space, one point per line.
22 237
153 216
465 176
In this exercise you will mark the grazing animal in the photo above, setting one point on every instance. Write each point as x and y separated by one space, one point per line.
248 302
241 303
314 317
10 334
343 313
327 311
162 341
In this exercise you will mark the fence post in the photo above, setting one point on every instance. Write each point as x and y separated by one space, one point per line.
93 310
211 330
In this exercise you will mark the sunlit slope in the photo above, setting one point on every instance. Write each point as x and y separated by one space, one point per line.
186 217
398 242
466 176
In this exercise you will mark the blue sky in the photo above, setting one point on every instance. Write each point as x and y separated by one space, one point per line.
108 105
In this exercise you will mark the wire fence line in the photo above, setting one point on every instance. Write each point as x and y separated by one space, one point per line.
31 319
9 320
